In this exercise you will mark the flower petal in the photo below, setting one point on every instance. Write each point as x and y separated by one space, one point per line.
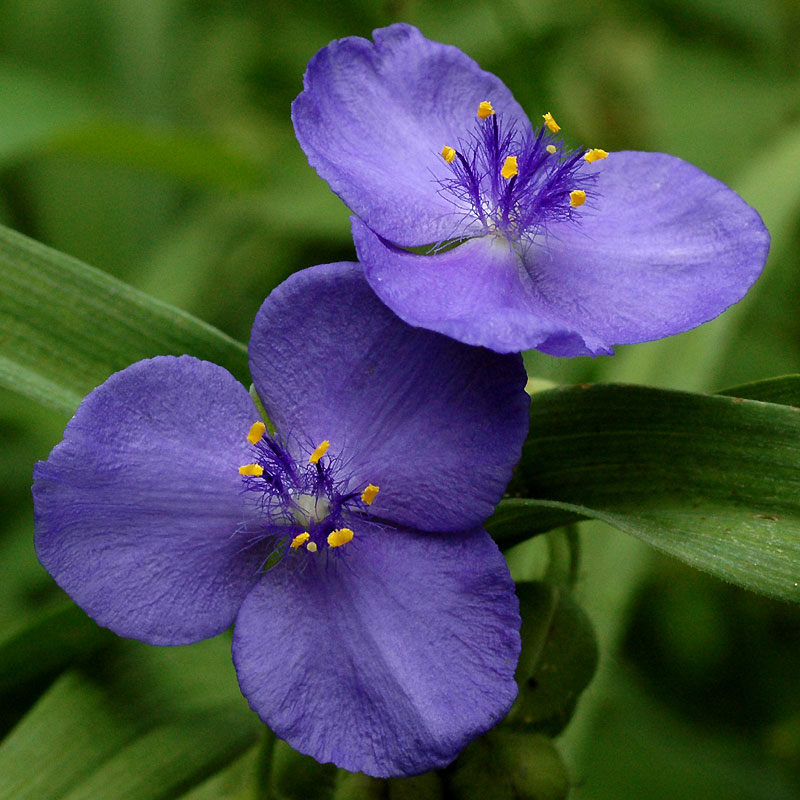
478 293
387 657
373 119
661 248
137 508
437 425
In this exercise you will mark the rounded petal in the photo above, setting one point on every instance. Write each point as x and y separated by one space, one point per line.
136 510
387 657
373 119
435 424
661 248
478 293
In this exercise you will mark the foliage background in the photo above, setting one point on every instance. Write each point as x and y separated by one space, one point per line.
152 139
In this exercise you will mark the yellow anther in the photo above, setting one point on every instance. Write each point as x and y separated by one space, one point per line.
256 432
595 154
369 494
485 110
552 125
551 148
509 167
311 547
300 539
251 469
577 197
319 452
448 153
339 537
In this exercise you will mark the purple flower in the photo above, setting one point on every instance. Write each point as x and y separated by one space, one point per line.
376 624
568 253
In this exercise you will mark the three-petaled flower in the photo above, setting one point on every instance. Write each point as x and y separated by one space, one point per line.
376 624
566 252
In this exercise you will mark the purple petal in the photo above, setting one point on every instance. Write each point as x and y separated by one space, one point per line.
478 293
386 657
137 508
661 248
437 425
373 119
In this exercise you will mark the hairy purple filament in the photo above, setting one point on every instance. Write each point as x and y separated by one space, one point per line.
517 207
294 497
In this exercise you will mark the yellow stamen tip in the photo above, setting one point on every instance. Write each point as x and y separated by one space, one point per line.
369 494
311 547
300 540
448 153
552 125
509 167
251 469
595 154
551 148
256 432
485 110
319 452
577 197
339 537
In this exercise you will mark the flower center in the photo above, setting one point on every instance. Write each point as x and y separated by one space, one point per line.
514 182
305 503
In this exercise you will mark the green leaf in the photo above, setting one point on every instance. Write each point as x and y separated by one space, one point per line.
784 391
168 759
70 731
53 641
141 723
65 326
558 659
517 519
710 480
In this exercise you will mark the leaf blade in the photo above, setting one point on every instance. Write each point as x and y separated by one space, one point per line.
708 479
65 326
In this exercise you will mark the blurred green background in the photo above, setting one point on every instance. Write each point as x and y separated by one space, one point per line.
152 139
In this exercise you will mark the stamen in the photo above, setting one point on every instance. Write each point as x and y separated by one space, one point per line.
339 537
552 149
369 494
251 469
552 125
577 197
448 154
300 540
256 432
311 547
319 452
485 110
509 167
595 154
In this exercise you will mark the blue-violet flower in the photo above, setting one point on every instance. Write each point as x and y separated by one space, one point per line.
376 624
566 252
